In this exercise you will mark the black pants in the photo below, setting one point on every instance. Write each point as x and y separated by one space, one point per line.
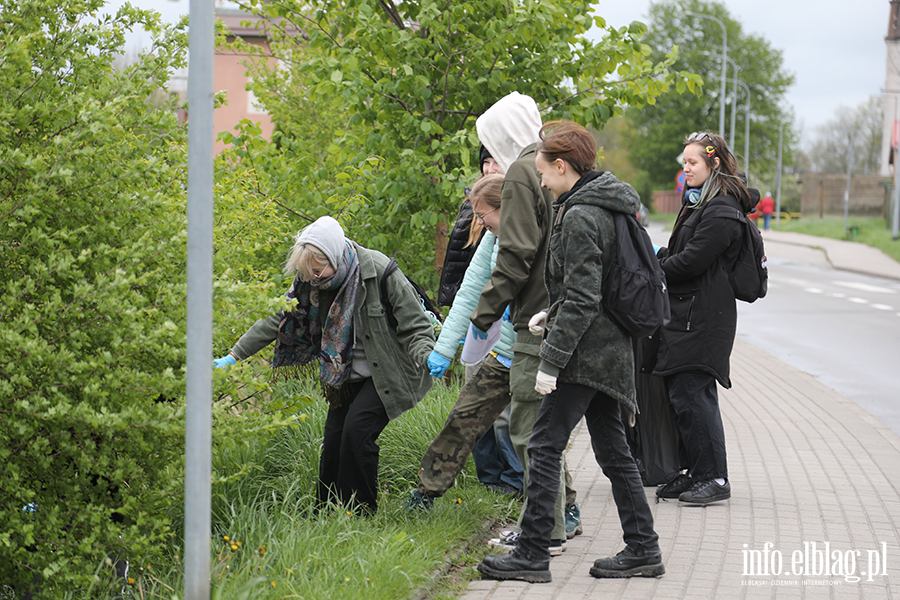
561 410
695 399
349 462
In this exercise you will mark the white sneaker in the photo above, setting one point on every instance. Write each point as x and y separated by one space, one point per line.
508 540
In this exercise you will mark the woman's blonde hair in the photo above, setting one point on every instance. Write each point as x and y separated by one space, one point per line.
487 191
300 260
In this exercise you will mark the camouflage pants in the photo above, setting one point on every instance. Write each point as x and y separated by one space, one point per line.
481 400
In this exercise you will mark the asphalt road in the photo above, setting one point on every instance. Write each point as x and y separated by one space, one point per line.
842 328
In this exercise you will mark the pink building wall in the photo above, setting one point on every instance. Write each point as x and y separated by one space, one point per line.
230 74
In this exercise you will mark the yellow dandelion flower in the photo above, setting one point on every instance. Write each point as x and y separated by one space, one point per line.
131 581
225 537
290 571
348 513
348 579
233 547
459 500
238 543
273 583
367 579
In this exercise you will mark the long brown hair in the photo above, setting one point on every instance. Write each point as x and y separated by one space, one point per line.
723 179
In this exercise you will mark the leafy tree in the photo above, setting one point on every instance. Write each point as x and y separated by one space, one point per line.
410 79
855 131
92 236
660 128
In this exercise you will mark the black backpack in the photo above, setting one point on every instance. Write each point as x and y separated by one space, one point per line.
634 293
749 275
427 305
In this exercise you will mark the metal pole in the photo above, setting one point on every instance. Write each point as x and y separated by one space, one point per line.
198 425
847 190
724 66
746 133
733 102
778 176
895 213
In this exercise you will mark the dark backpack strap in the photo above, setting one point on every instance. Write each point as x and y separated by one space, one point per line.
382 286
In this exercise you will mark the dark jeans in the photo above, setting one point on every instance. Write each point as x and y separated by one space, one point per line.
349 462
561 410
695 399
495 458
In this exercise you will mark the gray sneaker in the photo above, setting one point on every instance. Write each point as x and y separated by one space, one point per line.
573 521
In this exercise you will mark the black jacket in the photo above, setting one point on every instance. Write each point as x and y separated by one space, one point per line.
458 256
700 334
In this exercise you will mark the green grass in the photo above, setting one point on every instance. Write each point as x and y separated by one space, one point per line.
267 542
871 231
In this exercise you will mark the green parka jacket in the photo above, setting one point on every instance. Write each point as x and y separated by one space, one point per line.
582 345
518 278
398 358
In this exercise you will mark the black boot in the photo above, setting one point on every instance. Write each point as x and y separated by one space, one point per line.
628 564
512 566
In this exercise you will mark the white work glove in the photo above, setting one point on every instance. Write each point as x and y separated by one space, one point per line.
544 384
537 323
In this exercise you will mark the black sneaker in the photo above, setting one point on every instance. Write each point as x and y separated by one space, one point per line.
706 492
628 564
512 566
674 488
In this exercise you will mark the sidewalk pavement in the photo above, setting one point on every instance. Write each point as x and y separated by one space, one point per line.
849 256
815 505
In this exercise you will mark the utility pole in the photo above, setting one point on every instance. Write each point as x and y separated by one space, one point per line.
724 66
778 175
198 421
849 179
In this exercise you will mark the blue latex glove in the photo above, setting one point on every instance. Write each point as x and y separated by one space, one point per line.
656 248
478 334
506 314
437 364
224 362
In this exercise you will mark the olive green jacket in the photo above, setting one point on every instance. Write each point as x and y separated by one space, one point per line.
397 358
517 280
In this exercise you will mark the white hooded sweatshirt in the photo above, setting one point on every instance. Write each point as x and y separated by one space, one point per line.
508 127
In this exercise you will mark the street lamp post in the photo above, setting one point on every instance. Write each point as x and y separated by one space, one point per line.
778 176
746 132
724 66
733 101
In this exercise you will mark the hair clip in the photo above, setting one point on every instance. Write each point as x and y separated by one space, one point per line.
710 150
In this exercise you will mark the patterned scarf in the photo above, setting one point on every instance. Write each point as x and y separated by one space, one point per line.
301 336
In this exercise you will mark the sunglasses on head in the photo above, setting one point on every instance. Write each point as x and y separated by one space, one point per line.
697 136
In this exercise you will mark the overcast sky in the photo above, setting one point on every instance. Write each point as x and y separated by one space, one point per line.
835 48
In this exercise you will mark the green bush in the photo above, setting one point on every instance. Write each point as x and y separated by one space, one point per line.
92 235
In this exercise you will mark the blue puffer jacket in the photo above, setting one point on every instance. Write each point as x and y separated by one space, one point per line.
457 323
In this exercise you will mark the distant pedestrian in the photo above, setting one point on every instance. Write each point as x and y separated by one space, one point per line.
586 364
767 208
696 344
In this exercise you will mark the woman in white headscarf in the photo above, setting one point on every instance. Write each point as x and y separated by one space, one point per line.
372 371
